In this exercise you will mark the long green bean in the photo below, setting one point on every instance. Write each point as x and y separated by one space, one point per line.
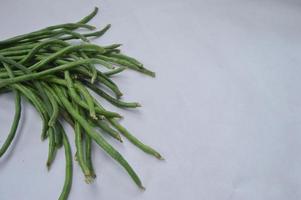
59 78
16 119
68 177
99 139
134 140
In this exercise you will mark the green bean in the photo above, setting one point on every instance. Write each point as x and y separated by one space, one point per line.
51 93
14 126
36 84
52 148
13 63
88 148
126 63
19 47
46 102
40 46
41 91
89 17
71 26
91 67
100 77
113 46
88 98
55 109
93 34
58 78
35 100
112 100
101 62
42 32
68 177
134 140
103 79
58 134
114 71
16 119
105 127
99 139
83 92
37 75
67 118
25 36
65 51
14 53
37 104
79 149
79 101
127 58
15 58
57 34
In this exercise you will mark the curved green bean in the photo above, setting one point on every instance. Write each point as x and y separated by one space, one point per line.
68 177
134 140
16 119
99 139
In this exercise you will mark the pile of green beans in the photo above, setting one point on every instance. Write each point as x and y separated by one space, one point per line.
55 69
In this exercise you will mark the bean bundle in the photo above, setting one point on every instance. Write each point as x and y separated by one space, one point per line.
55 70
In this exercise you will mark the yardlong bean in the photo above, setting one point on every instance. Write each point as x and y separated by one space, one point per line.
60 78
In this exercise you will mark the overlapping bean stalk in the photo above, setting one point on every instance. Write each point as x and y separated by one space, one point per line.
54 69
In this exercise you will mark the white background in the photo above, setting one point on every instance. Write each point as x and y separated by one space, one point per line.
224 110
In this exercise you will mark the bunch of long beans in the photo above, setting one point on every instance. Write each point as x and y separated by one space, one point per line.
56 75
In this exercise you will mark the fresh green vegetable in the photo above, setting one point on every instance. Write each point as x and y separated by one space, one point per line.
57 77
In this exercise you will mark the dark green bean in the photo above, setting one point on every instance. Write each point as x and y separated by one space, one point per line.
112 100
79 150
79 101
46 31
99 139
87 18
68 177
89 99
41 45
58 134
55 109
105 127
126 63
37 104
127 58
93 34
88 151
134 140
52 147
16 119
37 75
114 71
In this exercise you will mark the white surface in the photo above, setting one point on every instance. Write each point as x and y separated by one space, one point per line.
224 109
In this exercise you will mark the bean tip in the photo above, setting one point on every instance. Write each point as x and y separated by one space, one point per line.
138 105
92 27
93 116
119 138
119 95
161 158
152 74
48 165
89 178
157 155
